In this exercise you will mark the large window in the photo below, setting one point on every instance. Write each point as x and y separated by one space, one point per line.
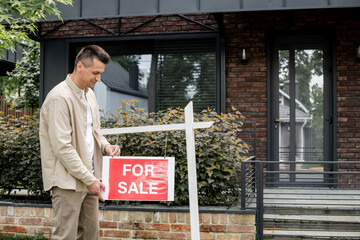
162 74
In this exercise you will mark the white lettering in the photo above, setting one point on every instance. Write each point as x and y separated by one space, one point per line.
142 189
149 168
126 169
138 169
140 172
152 187
123 188
133 188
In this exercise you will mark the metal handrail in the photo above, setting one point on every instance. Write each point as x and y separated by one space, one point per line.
256 178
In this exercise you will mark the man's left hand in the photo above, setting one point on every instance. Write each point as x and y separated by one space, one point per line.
112 150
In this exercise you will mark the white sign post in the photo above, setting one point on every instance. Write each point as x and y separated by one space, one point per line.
189 127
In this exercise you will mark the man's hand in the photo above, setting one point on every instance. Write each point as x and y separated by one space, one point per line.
112 150
96 188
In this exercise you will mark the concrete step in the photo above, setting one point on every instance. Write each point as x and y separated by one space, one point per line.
312 198
306 210
311 226
305 213
312 222
327 218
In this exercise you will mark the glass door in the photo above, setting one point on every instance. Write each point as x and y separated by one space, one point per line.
300 82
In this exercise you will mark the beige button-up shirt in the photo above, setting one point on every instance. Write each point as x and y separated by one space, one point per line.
63 122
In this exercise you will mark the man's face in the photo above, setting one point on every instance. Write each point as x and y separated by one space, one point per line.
91 74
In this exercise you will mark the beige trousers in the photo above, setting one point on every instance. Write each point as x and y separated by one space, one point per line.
76 215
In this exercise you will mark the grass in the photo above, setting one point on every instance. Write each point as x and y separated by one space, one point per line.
22 237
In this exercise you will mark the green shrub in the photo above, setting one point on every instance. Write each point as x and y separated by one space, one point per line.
22 237
20 154
219 151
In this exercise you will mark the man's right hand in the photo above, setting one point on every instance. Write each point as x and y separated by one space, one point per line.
96 188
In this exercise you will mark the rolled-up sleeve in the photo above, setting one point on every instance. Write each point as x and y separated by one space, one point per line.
61 134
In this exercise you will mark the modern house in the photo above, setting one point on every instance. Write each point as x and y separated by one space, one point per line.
303 128
233 53
9 59
119 84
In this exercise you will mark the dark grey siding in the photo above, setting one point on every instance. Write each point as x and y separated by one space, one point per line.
121 8
54 65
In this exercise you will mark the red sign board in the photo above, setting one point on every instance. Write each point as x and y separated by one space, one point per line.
138 178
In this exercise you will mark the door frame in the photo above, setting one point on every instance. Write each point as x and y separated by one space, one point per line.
330 143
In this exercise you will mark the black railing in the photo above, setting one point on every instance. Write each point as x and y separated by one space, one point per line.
329 186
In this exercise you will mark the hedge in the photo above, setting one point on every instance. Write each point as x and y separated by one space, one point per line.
20 154
22 237
219 151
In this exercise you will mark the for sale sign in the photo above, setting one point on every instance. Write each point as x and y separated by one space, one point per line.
139 178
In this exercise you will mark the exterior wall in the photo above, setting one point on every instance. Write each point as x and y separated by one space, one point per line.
126 25
133 224
109 101
246 85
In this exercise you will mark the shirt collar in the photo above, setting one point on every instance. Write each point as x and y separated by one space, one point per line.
74 88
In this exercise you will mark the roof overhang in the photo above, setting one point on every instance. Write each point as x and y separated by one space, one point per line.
11 57
88 9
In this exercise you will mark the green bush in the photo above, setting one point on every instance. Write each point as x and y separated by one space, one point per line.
219 151
22 237
20 154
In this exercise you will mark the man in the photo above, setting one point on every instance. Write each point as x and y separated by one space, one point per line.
71 148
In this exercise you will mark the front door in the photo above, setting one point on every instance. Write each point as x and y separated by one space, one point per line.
301 115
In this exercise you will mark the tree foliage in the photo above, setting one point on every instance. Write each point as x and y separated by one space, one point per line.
23 82
19 18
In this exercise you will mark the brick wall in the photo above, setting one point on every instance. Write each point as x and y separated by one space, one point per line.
127 26
133 224
246 85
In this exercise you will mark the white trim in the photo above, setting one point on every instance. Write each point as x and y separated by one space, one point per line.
153 128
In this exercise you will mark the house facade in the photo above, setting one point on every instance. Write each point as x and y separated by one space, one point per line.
243 59
119 84
9 59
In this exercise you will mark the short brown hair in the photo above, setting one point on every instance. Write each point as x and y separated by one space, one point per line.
88 53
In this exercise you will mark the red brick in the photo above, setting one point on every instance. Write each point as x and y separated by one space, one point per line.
146 234
172 217
206 236
49 222
227 236
158 226
108 224
116 233
133 226
18 229
7 220
40 230
172 235
212 228
180 227
241 229
30 221
7 234
248 237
